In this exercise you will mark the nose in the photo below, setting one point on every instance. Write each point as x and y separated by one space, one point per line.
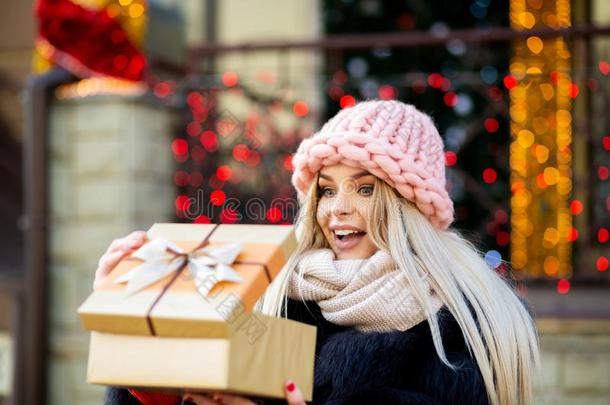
341 204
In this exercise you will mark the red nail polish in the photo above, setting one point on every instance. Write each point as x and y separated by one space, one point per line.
290 386
189 398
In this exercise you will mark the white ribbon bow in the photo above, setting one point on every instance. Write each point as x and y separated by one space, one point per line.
207 265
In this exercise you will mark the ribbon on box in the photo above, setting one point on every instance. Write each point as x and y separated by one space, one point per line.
162 257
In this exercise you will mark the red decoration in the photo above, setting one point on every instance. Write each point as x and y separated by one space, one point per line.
347 101
576 207
450 158
149 398
88 42
450 99
563 286
510 82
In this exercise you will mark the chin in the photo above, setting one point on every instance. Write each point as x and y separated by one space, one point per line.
341 255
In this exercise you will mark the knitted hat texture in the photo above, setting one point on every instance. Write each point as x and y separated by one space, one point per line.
393 141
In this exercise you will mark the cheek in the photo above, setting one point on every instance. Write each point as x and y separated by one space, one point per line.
364 208
321 217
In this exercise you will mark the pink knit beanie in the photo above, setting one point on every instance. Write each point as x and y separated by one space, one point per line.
393 141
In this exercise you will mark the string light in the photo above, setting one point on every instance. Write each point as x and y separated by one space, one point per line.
541 93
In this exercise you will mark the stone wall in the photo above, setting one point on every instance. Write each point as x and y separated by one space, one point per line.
110 172
575 361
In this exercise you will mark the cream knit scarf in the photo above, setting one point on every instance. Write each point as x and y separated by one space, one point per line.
374 296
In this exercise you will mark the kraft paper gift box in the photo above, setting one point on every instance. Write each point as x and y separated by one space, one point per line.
177 314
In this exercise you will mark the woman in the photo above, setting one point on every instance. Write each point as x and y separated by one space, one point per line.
407 310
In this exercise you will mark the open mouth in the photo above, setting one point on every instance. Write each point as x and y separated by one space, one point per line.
347 238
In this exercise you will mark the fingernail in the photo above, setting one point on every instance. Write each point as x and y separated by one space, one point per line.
290 386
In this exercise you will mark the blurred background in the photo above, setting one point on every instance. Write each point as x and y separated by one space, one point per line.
115 114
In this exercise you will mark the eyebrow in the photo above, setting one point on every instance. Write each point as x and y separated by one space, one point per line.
355 176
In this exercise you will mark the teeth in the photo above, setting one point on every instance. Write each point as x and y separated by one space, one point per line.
343 232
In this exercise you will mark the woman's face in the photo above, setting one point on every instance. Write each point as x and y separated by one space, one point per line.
345 203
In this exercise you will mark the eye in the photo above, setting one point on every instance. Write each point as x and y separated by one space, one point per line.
326 192
366 189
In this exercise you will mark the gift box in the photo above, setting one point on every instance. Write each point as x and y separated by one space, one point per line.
177 314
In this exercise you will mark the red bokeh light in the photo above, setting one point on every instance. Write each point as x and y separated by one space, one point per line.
224 172
491 125
229 216
209 140
193 128
180 147
202 219
563 286
300 108
572 234
254 159
230 79
163 89
386 92
435 80
602 172
489 175
182 202
602 235
217 197
450 99
606 142
241 152
450 158
288 163
576 207
510 82
602 263
347 101
274 214
573 90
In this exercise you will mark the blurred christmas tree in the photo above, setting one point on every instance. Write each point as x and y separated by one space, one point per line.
459 84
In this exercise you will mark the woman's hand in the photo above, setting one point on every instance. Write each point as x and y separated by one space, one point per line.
116 251
292 392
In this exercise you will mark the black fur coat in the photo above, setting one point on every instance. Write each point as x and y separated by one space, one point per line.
354 367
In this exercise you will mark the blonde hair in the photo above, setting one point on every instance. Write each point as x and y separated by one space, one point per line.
505 345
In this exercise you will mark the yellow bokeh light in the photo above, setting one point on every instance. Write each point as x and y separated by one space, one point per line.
551 265
564 187
551 175
535 44
136 10
125 2
113 10
540 124
527 19
525 138
534 70
547 91
542 153
550 238
518 113
521 198
564 118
